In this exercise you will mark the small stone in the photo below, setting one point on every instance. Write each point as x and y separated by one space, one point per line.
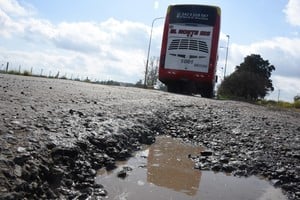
242 166
50 194
18 170
206 153
281 170
296 155
228 168
127 168
275 182
12 195
100 192
92 172
98 185
50 145
122 174
216 167
7 173
21 159
58 152
68 182
224 160
110 165
21 150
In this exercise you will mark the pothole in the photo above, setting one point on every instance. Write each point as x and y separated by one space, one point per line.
164 171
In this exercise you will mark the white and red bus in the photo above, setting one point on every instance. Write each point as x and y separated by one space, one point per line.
189 49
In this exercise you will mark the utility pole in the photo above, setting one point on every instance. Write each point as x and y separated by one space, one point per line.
226 55
149 45
7 67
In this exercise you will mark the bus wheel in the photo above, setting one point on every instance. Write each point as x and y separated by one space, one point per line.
172 88
188 88
208 92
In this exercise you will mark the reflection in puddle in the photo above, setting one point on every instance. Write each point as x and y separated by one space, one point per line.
164 171
168 166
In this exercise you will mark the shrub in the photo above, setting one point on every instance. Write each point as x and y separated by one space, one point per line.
284 104
26 73
13 72
297 104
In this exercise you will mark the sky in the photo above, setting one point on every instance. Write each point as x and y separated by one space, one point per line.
108 40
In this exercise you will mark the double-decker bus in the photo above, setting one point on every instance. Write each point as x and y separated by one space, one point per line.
189 49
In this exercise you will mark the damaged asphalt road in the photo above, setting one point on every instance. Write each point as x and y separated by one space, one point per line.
56 134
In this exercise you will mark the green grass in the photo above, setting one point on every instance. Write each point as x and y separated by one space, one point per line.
297 104
268 103
279 104
24 73
27 73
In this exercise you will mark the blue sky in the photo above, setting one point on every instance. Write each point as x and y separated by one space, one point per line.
109 39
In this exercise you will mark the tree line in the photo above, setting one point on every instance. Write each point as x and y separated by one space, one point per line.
250 81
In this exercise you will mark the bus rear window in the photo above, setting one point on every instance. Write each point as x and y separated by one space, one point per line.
193 14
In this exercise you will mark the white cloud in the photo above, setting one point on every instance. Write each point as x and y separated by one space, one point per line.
115 49
281 52
292 12
7 25
81 37
37 27
285 88
156 5
126 34
13 8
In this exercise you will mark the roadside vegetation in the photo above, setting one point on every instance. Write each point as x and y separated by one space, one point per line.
251 82
57 76
24 73
280 104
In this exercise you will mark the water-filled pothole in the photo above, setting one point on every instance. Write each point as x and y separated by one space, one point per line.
164 171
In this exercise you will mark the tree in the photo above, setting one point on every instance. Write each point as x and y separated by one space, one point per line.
152 76
297 98
297 101
250 81
139 83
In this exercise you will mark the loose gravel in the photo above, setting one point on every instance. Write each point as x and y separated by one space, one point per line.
55 135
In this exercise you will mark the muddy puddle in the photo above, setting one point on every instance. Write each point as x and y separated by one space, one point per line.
164 171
